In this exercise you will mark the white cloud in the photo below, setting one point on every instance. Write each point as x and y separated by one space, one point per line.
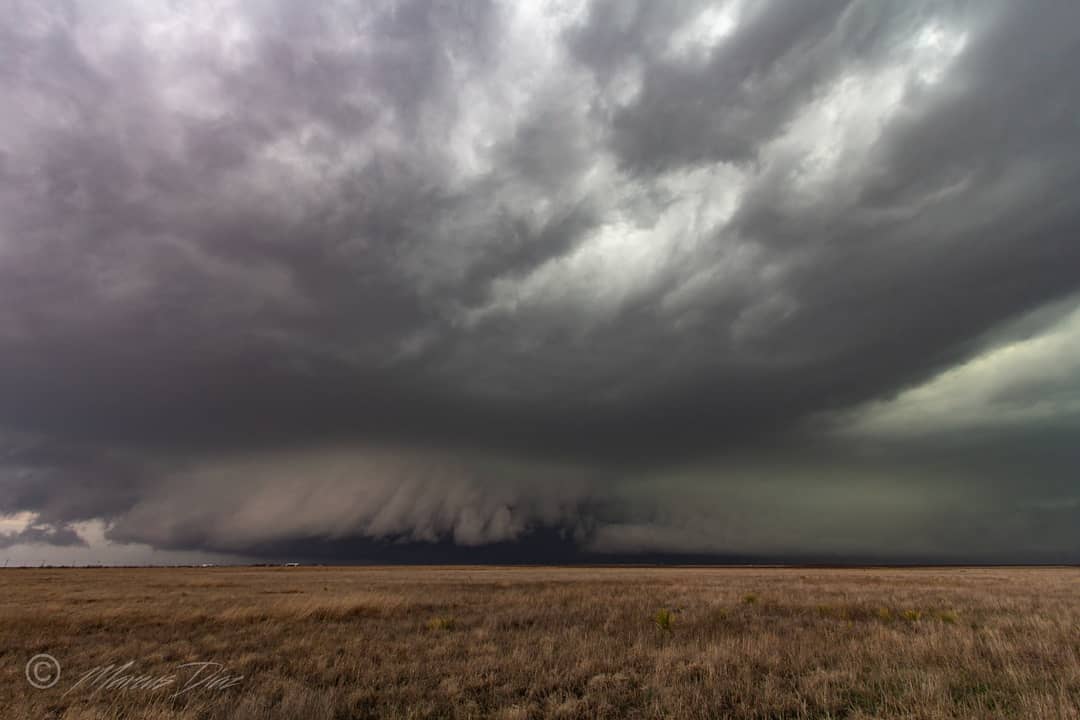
628 255
696 39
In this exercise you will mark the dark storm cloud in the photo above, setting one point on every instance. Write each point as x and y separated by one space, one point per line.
466 273
741 93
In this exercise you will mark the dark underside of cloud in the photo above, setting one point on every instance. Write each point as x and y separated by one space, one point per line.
416 281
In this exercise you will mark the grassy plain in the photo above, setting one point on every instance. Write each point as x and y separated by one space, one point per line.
517 643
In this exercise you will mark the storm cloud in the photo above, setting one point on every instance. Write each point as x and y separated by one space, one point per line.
753 279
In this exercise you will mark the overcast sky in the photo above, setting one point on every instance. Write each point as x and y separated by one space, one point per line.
540 280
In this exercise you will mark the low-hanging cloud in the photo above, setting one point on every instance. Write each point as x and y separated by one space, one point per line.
411 272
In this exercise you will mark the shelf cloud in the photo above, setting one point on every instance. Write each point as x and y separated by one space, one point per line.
600 279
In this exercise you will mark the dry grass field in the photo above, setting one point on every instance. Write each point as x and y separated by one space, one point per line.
542 643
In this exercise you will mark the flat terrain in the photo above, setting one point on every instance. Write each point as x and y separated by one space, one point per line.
541 642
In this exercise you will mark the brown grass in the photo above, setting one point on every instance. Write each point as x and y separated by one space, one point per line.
557 642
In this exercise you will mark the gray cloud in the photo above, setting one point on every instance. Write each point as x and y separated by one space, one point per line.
37 534
473 273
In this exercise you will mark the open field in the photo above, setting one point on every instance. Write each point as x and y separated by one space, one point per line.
543 642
